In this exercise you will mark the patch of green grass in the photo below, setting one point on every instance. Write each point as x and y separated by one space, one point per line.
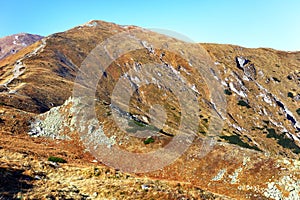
149 140
235 139
243 103
56 159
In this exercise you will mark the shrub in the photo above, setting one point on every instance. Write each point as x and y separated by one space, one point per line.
235 139
97 172
202 132
272 133
266 122
56 159
288 143
283 141
291 95
276 79
243 103
205 120
298 111
227 92
149 140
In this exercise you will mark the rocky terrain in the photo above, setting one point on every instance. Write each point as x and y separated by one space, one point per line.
233 112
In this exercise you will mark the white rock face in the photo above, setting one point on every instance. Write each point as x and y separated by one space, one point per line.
241 61
91 24
288 184
240 93
220 175
234 176
50 126
64 119
273 192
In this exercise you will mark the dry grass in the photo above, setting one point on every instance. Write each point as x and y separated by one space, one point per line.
48 82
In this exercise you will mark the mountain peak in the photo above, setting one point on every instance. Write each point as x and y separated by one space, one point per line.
14 43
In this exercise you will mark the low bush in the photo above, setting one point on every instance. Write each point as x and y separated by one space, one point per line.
56 159
135 126
298 111
235 139
227 92
276 79
283 140
149 140
290 95
243 103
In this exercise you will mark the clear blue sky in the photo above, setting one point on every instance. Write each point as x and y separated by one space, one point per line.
250 23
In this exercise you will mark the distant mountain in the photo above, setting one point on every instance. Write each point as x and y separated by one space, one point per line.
14 43
254 92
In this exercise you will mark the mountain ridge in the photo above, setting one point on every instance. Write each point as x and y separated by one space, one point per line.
13 43
259 138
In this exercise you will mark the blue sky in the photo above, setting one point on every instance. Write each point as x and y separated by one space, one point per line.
249 23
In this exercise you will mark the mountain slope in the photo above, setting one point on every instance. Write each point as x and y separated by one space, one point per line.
14 43
245 100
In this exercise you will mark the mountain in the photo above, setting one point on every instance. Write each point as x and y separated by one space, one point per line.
227 118
14 43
